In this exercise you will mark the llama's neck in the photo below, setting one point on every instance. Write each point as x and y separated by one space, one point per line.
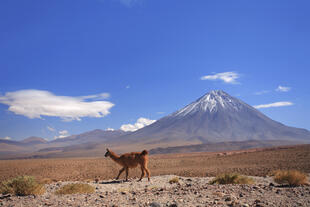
114 156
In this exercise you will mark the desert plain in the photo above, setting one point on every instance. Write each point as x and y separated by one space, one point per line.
195 170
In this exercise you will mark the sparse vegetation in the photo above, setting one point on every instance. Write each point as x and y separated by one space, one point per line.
75 188
232 178
22 186
174 180
290 177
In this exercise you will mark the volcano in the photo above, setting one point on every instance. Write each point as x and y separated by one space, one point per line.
215 117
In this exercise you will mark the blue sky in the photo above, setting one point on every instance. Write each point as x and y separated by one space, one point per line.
115 61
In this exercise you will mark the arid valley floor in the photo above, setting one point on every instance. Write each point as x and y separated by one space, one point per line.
195 169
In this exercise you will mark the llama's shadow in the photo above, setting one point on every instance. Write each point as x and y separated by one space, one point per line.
114 182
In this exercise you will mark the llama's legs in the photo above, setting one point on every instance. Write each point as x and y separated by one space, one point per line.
120 172
142 173
148 173
127 174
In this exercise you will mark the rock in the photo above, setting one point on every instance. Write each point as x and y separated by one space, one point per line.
229 198
257 201
5 196
154 204
271 184
173 205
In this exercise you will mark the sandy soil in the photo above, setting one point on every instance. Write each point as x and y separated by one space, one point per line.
259 162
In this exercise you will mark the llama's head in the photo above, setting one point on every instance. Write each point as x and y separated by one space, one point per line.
107 153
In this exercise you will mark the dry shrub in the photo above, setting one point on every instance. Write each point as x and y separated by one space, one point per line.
231 179
22 186
75 188
290 177
174 180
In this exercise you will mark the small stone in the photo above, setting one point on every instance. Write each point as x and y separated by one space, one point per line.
228 198
271 184
257 201
101 196
173 205
154 204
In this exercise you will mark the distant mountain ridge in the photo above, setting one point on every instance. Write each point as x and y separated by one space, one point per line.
34 140
87 140
97 135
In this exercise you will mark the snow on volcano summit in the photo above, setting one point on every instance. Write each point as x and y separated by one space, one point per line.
212 102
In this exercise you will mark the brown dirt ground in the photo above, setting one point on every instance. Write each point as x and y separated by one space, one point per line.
257 162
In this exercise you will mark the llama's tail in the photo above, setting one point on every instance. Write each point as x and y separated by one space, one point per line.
144 152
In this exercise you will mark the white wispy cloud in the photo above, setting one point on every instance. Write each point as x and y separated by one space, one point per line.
50 128
6 138
62 134
227 77
36 103
110 129
99 96
262 92
283 89
276 104
141 122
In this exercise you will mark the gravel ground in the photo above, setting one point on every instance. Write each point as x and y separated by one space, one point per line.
193 191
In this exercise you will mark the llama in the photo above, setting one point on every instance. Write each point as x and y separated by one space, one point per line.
131 160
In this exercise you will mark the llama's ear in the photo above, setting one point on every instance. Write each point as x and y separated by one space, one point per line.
108 150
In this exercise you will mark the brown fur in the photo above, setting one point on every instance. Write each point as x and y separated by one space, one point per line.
131 160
